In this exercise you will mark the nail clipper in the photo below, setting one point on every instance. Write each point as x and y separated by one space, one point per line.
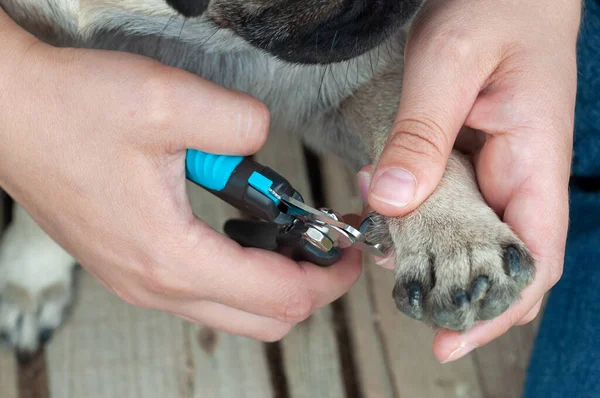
315 235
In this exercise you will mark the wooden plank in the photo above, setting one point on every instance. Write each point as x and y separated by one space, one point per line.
228 366
225 365
310 351
394 352
311 358
8 365
502 364
341 194
111 349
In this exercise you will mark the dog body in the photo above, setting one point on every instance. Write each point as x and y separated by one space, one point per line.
219 55
456 262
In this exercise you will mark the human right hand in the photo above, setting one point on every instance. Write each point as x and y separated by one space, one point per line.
92 145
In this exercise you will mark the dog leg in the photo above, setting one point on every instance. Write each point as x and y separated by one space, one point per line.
35 285
456 261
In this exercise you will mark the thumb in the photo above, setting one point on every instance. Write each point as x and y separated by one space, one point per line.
436 99
205 116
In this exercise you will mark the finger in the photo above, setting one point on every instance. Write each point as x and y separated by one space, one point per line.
386 262
531 315
255 281
230 320
441 82
364 179
163 101
160 102
450 345
211 314
232 122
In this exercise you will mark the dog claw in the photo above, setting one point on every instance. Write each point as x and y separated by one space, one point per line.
513 261
409 299
480 287
462 299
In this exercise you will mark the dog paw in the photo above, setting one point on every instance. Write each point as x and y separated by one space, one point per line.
456 261
35 286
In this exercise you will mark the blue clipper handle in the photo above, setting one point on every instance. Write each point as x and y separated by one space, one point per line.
209 170
241 182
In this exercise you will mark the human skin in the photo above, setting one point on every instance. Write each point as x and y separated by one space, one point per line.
508 69
92 146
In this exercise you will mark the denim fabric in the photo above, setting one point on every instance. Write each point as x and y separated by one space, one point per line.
586 154
565 362
566 358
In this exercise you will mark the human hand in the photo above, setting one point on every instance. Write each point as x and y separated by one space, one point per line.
507 69
92 145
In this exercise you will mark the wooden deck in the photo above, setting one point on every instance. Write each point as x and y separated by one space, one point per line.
360 346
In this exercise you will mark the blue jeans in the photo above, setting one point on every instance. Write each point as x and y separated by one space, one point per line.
566 358
565 362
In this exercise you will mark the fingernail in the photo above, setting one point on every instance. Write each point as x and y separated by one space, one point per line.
385 262
394 186
460 352
364 179
382 261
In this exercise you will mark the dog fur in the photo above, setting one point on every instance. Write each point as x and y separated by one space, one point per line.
456 261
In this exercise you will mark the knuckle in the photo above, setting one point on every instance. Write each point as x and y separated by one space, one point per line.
296 308
154 282
130 298
254 124
159 278
167 267
453 46
159 93
421 136
159 269
554 275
